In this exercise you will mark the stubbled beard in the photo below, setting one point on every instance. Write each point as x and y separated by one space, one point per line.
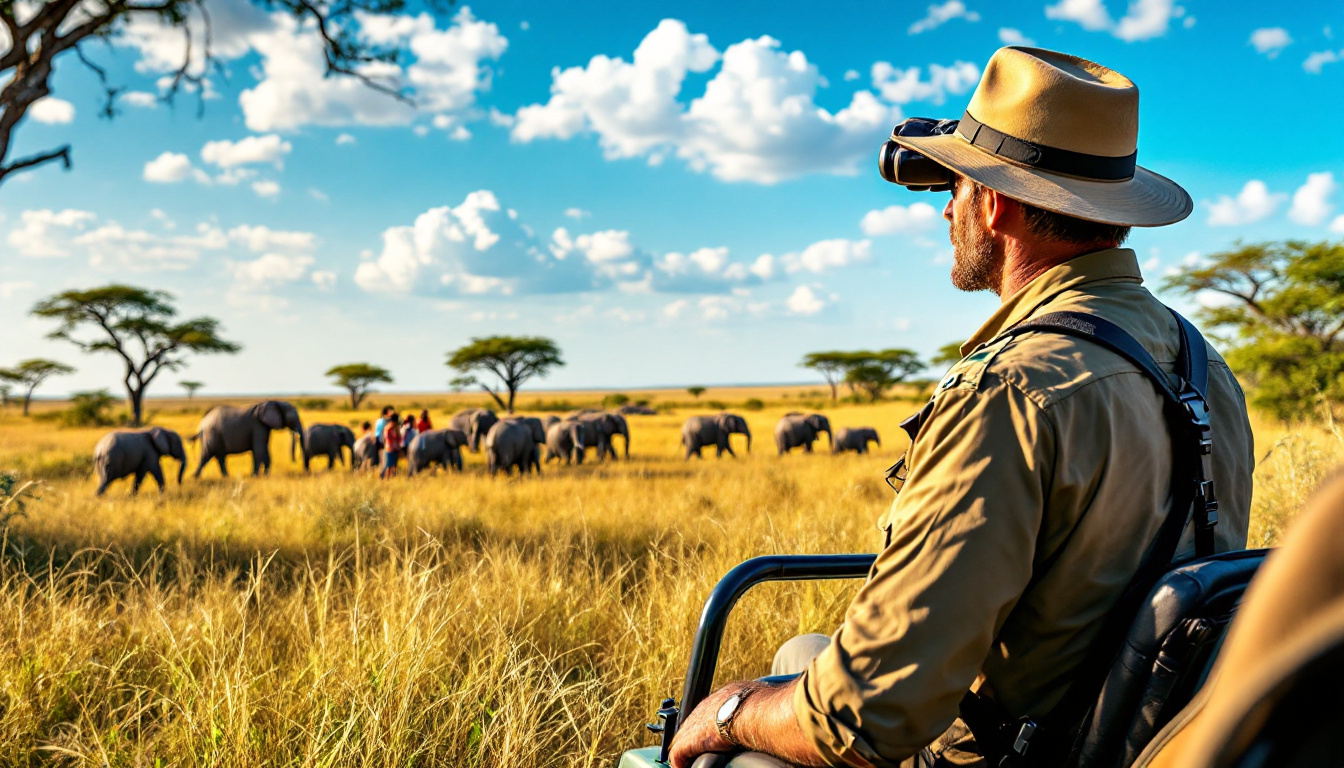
975 266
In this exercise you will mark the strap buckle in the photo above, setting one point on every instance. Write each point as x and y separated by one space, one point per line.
1205 511
1016 756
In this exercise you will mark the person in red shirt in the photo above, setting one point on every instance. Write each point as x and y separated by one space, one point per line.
424 425
391 447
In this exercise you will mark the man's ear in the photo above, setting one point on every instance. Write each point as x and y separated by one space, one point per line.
1001 213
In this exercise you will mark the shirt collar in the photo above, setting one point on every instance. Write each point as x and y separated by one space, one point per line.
1110 264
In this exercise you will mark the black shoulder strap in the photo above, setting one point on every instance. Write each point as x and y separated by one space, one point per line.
1006 742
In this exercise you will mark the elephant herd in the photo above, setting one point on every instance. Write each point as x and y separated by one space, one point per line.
522 442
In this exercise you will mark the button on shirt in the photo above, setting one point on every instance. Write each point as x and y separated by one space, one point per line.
1039 451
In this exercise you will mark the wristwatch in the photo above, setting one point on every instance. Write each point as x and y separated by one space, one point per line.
723 721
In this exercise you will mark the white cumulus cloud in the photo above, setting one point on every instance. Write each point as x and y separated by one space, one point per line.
898 219
756 120
901 86
252 149
269 271
168 168
1316 61
1270 40
47 233
1011 36
52 111
1144 19
804 301
828 254
1253 203
1311 201
266 188
941 13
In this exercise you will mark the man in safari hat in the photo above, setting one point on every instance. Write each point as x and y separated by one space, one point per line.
1040 471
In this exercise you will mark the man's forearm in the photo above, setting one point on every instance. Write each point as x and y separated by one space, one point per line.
767 723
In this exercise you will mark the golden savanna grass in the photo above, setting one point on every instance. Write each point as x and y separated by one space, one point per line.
441 620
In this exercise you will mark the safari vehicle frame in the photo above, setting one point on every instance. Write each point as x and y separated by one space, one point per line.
1164 660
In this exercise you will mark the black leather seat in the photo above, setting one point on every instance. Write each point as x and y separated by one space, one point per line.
1165 658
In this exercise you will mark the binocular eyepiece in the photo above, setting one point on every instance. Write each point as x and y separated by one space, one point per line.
909 168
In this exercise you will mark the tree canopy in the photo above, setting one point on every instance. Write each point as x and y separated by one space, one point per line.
947 355
512 359
30 374
359 379
1279 308
191 387
873 373
137 325
831 365
40 32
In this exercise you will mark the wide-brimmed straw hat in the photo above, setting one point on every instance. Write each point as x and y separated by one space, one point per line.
1060 133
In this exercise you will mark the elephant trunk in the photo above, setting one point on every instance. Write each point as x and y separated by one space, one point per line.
830 439
747 432
291 446
625 433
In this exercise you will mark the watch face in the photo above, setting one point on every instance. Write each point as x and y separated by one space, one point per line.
729 706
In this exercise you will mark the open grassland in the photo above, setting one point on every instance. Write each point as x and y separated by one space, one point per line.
441 620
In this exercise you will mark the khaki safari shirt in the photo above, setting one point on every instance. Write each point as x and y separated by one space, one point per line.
1039 448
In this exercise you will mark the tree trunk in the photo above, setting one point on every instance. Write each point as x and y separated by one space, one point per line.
135 399
834 395
355 399
28 398
512 391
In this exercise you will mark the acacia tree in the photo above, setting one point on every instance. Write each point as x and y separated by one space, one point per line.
512 359
137 325
41 32
1282 317
30 374
873 373
695 391
948 354
831 365
191 387
359 379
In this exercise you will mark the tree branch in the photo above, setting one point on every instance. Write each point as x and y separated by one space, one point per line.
32 161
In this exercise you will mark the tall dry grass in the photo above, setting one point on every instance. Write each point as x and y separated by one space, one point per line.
440 620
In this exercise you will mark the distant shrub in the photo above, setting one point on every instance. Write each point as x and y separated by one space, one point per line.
87 409
753 404
313 403
717 405
615 400
552 405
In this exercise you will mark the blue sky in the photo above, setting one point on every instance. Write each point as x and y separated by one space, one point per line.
678 193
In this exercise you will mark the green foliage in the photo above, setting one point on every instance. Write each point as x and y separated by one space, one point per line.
89 409
137 325
191 387
696 392
553 406
312 403
1282 316
512 359
873 373
359 379
15 497
615 400
947 355
831 365
30 374
753 404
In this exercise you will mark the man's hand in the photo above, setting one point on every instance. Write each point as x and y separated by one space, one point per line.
699 733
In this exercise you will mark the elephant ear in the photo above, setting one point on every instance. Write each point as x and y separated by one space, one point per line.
162 444
270 414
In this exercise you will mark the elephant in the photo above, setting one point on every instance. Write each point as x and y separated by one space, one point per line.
474 423
715 430
854 439
365 453
596 429
562 437
328 440
226 430
607 425
513 443
635 409
437 446
796 429
119 454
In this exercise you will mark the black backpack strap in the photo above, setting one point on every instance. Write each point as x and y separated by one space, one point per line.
1022 742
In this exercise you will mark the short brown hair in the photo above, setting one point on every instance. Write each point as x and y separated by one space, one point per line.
1049 225
1058 227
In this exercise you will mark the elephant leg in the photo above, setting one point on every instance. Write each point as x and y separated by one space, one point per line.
157 472
807 447
139 478
223 463
205 459
103 482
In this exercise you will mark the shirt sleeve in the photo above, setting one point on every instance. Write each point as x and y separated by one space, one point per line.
959 552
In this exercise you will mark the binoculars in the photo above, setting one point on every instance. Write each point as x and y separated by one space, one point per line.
909 168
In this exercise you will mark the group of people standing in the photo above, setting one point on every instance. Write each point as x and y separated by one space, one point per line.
393 435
